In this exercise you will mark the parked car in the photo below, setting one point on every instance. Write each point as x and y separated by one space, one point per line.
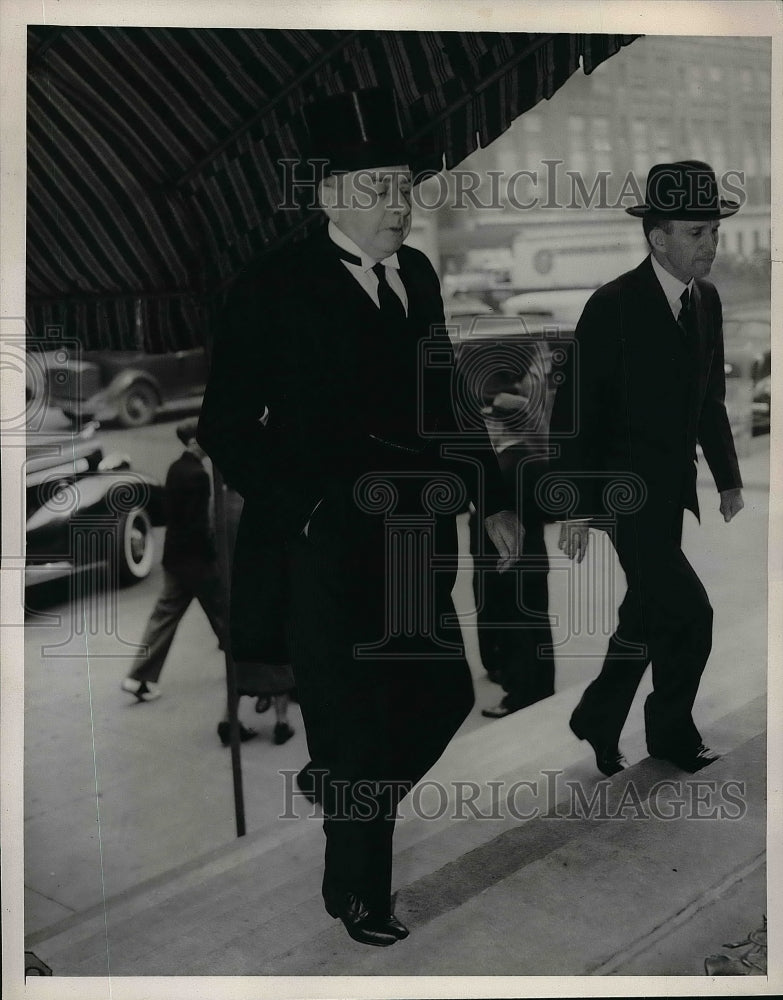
749 329
73 490
564 304
127 386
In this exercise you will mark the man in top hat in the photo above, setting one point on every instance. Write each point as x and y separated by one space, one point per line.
325 411
644 383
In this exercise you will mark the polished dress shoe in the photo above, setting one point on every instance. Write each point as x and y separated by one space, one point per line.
360 923
608 758
690 760
224 732
498 711
395 927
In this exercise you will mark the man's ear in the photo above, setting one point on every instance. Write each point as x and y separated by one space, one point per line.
657 238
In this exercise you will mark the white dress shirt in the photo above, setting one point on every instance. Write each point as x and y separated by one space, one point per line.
672 287
363 272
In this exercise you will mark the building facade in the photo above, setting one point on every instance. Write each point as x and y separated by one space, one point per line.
546 209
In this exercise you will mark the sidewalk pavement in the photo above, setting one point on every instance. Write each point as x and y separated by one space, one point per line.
162 851
643 874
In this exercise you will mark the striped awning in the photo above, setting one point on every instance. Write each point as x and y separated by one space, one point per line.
154 154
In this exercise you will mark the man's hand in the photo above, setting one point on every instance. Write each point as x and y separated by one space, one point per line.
574 537
508 401
731 503
506 533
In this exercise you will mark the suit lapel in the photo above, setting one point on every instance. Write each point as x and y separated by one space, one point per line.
702 329
660 313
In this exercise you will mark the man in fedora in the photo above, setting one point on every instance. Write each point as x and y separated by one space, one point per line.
323 412
644 383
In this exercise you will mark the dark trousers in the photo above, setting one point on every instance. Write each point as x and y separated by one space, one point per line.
665 619
374 725
512 611
174 601
512 608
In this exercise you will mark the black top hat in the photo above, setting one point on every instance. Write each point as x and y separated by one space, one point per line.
683 190
186 431
355 130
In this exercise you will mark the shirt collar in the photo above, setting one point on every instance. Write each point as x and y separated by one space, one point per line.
672 287
336 235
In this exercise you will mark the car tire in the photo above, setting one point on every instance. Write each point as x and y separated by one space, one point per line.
135 545
138 405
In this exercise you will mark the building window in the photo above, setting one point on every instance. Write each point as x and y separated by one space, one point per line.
718 146
698 141
577 139
602 145
750 162
639 148
663 141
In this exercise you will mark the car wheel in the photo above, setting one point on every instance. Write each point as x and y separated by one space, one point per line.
137 405
135 545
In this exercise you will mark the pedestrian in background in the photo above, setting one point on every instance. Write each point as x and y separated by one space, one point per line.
271 680
190 568
512 608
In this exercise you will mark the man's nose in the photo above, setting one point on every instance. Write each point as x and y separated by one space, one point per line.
399 202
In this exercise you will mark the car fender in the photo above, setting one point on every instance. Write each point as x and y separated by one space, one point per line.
112 493
122 382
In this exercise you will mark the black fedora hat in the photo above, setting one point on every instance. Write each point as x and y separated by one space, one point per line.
685 190
355 130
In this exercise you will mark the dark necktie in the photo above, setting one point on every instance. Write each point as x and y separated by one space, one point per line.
388 300
390 303
686 319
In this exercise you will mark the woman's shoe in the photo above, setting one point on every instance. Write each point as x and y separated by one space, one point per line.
224 732
283 732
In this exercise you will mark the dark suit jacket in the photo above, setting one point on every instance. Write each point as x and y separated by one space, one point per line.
301 340
637 395
189 546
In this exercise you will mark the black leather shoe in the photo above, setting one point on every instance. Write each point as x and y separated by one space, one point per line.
608 758
224 732
395 927
692 760
498 711
360 924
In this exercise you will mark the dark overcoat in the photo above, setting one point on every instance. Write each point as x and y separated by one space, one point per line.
189 545
636 397
305 391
